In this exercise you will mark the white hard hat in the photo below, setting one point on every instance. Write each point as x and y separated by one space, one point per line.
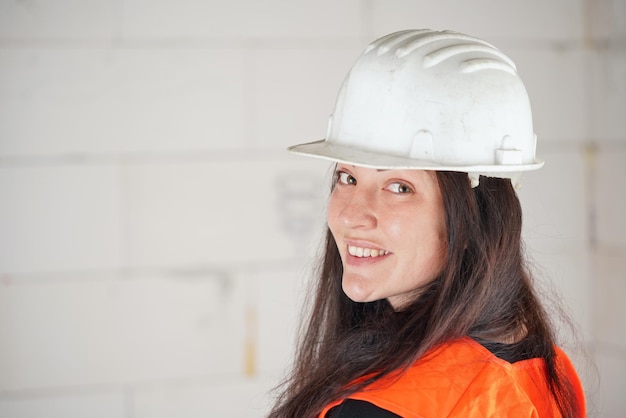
423 99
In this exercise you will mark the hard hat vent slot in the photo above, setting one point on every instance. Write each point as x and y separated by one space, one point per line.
391 38
425 39
443 54
392 43
478 64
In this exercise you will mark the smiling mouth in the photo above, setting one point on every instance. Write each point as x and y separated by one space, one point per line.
362 252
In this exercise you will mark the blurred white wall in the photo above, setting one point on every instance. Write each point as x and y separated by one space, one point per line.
155 237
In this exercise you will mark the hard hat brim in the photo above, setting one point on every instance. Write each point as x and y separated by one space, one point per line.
372 159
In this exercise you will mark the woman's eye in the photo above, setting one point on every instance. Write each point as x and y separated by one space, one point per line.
399 188
345 178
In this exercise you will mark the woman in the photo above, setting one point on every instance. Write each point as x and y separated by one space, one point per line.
424 306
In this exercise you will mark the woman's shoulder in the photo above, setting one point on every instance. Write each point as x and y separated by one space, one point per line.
467 365
462 378
465 353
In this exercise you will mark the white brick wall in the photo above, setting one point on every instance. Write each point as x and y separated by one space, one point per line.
58 216
58 20
194 213
109 100
238 20
155 238
534 20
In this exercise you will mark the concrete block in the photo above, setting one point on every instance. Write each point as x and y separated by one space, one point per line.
279 302
555 200
607 20
241 19
563 280
295 92
59 217
95 101
80 405
609 400
224 212
120 331
607 106
556 229
226 397
59 19
556 81
531 20
609 310
610 198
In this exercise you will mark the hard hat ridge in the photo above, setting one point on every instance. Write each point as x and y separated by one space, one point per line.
423 99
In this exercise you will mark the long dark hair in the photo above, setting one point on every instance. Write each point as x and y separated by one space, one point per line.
484 292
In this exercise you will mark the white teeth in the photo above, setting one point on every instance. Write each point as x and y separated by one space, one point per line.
365 252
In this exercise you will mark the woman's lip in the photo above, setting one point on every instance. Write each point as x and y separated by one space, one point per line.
364 244
355 261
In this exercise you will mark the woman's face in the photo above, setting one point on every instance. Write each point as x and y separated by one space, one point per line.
390 230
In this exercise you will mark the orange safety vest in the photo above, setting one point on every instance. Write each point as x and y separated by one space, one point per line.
464 379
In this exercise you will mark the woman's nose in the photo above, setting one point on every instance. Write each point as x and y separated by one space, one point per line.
358 211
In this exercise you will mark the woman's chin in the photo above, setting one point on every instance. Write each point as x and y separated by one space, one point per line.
357 291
